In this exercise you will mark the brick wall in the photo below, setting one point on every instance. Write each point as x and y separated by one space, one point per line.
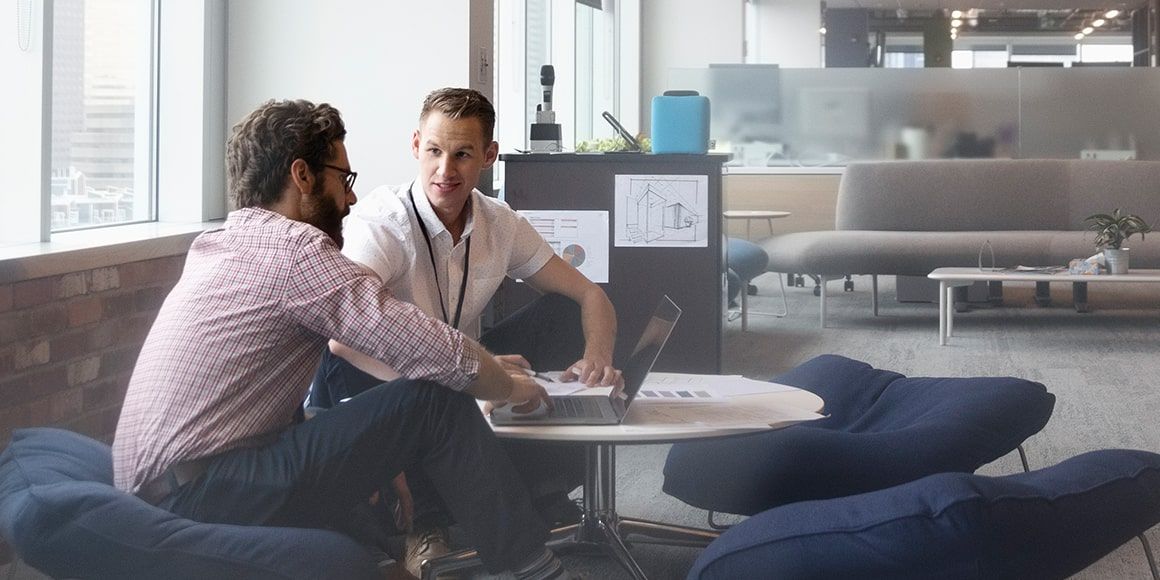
68 344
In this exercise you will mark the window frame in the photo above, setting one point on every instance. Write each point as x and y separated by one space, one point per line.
189 132
150 132
517 80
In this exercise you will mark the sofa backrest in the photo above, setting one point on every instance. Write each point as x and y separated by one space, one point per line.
1102 186
993 194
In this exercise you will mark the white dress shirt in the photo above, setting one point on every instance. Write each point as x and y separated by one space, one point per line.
382 232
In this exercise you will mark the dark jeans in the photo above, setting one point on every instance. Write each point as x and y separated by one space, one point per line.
548 333
319 471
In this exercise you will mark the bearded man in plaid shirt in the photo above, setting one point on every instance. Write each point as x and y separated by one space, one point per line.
208 429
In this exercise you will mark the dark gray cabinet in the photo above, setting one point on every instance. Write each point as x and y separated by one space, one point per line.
638 276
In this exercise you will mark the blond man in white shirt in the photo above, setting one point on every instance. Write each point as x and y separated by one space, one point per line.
440 244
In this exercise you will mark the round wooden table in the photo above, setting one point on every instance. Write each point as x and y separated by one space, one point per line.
755 214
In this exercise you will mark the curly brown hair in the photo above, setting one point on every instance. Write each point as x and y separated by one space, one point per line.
458 103
263 145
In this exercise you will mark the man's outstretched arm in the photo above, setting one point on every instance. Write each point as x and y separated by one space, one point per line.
597 317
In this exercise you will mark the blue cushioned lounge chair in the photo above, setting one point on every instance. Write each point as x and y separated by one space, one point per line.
61 514
883 429
1044 524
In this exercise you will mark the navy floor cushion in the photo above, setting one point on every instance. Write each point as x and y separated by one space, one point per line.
1049 523
883 429
61 514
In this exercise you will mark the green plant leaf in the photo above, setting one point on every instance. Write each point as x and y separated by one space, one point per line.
1113 229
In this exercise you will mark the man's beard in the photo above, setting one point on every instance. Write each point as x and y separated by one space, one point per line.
322 212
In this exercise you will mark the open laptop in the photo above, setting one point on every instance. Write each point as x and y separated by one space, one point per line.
596 408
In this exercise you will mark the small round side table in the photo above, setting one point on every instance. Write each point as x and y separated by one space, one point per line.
755 214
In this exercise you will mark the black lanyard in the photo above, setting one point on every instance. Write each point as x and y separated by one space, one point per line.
435 271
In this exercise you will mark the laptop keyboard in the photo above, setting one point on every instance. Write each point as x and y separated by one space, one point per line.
575 407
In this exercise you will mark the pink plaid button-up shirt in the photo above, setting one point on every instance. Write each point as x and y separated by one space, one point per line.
235 345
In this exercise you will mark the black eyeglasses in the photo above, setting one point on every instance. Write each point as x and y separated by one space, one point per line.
347 176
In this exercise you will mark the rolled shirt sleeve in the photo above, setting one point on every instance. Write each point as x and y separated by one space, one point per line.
530 251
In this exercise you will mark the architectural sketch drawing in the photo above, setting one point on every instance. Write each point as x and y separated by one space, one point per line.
662 210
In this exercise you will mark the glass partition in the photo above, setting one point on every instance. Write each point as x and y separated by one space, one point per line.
1106 112
768 116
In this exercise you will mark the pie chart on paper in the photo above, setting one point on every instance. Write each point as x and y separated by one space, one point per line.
573 254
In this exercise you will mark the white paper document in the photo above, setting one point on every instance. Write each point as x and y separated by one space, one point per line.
551 383
733 414
578 237
720 385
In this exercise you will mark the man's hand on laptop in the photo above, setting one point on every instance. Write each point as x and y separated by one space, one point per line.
512 363
526 396
593 372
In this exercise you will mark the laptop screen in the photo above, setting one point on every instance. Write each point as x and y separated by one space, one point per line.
655 334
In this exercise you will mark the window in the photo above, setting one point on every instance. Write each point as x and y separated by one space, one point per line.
1105 52
979 58
900 58
107 135
593 51
103 58
596 53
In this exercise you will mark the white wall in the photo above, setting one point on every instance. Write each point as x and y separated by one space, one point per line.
685 34
373 60
788 33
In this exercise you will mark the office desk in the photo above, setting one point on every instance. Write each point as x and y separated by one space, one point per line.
601 528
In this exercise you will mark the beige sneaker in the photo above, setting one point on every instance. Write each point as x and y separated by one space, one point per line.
424 545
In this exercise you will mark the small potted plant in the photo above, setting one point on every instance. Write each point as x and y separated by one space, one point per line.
1111 232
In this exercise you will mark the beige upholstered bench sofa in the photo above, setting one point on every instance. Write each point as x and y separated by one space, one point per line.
910 217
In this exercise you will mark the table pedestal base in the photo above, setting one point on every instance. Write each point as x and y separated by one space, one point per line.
600 528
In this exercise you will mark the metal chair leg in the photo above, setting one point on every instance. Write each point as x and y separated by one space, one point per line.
784 304
715 525
1023 458
1151 559
744 312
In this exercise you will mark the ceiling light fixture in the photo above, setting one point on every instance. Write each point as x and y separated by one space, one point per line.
822 30
957 14
1079 36
1088 30
956 23
1098 22
1111 13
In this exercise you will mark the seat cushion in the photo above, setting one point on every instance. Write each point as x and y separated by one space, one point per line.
883 429
1049 523
746 258
61 514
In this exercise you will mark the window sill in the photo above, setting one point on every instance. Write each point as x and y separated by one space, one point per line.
98 248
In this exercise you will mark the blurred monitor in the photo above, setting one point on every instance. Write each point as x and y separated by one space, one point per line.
744 102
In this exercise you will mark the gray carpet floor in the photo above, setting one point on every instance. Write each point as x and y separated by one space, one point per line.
1101 367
